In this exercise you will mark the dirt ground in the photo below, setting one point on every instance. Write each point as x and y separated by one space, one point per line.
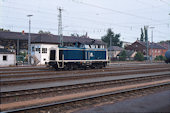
159 102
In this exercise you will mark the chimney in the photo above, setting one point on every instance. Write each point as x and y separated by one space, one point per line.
86 35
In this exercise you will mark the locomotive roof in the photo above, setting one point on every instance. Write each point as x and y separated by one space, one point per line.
48 38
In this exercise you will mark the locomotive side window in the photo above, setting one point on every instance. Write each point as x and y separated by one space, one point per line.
52 54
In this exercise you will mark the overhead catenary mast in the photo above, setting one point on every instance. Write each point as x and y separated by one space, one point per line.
60 33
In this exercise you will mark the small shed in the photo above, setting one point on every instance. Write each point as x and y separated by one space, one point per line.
7 58
114 51
129 54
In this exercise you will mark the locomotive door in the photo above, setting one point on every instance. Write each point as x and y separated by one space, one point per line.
52 54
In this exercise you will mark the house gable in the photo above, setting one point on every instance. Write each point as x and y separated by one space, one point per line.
137 46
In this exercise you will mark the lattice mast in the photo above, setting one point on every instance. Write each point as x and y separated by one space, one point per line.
60 30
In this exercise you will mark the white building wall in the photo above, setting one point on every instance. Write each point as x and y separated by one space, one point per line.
11 60
44 57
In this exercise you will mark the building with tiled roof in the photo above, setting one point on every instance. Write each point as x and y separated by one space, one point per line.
130 54
113 51
166 45
7 57
10 40
154 49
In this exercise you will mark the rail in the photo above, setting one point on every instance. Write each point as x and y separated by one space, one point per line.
85 98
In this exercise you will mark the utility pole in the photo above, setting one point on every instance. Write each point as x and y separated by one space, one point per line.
110 41
60 33
169 42
152 43
110 48
17 46
29 40
147 43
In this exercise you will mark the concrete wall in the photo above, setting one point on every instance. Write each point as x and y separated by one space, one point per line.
11 60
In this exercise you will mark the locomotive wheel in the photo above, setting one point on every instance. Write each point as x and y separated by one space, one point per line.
75 66
66 68
70 67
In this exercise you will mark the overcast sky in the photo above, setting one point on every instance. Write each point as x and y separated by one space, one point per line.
92 16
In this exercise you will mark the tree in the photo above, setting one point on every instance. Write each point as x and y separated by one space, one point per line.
122 56
139 56
146 33
75 35
167 41
44 32
142 35
6 30
114 37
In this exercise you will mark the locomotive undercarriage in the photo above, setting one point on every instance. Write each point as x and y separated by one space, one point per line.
76 65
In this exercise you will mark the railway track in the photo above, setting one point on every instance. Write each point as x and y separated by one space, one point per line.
28 80
79 102
82 82
23 95
18 72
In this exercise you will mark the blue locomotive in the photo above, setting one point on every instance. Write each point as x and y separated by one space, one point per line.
70 58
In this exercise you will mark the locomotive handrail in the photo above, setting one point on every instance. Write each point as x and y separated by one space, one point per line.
62 66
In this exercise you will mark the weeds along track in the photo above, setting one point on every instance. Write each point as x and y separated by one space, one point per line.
23 95
52 78
79 102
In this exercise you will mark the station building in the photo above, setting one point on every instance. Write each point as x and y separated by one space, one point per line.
154 49
17 43
7 58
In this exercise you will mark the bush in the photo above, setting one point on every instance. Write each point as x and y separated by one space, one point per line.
122 56
160 58
139 56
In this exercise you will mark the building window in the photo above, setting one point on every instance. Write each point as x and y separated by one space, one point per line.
158 51
4 58
33 49
99 46
44 50
38 49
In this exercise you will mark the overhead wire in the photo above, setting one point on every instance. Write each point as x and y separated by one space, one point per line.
165 2
116 11
70 18
93 20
